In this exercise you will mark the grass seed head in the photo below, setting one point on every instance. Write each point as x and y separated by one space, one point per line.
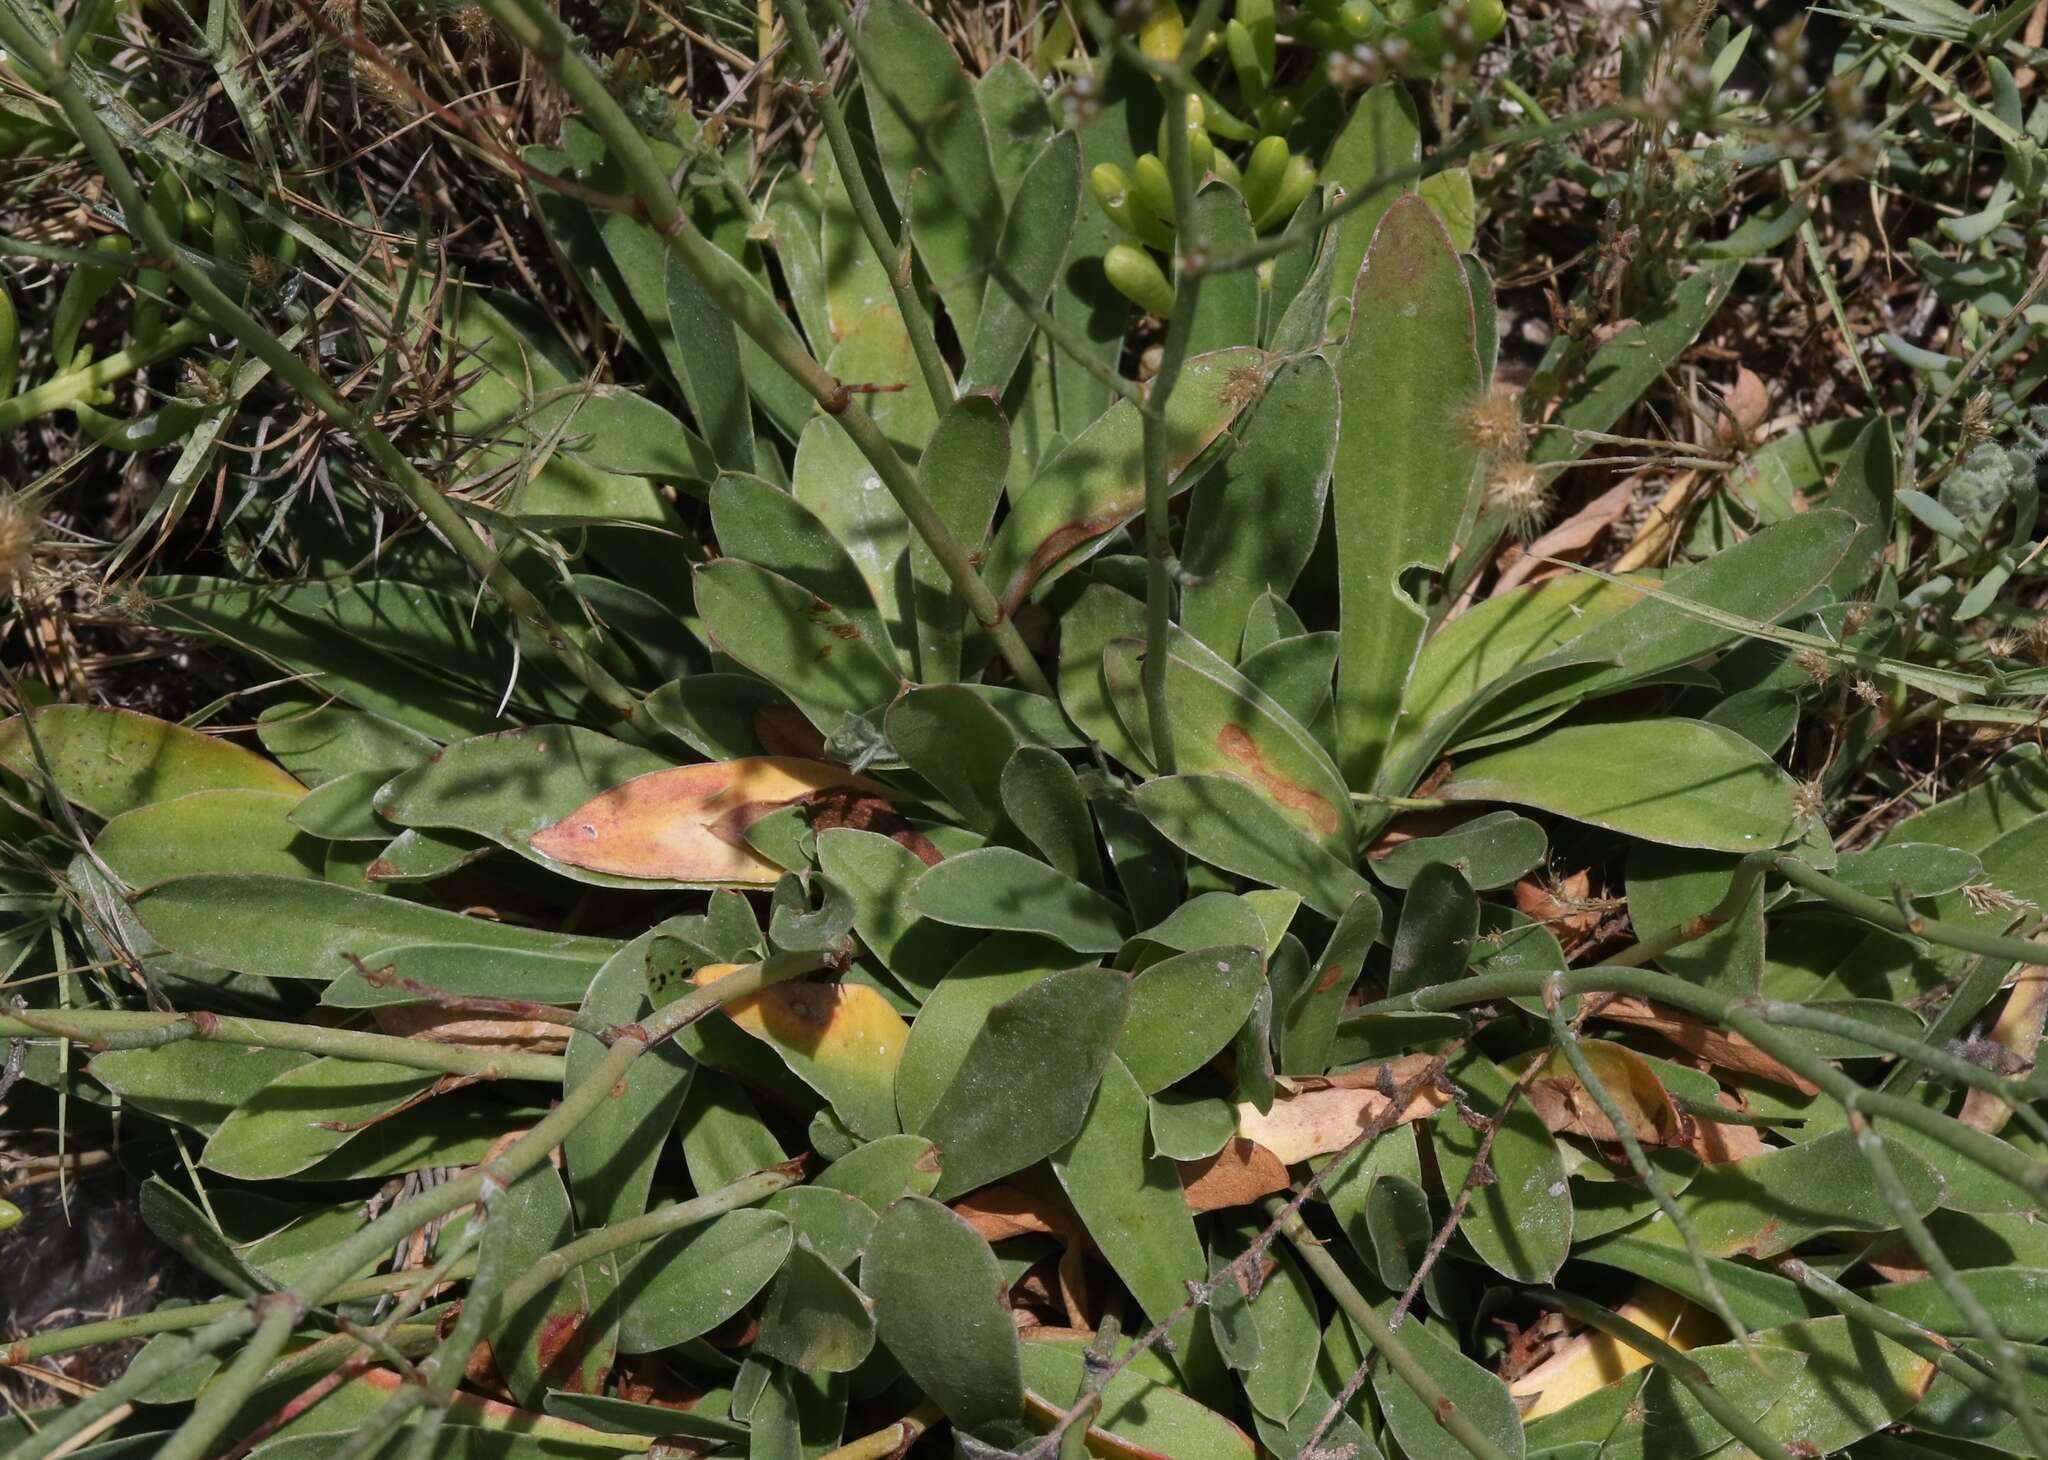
1518 492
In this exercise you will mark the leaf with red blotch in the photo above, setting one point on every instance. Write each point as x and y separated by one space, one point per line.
689 824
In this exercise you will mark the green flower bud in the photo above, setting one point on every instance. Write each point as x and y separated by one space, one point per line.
1295 183
1262 173
1139 278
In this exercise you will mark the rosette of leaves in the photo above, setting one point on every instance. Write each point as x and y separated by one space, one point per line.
1147 1033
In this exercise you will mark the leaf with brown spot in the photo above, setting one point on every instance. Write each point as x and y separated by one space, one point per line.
688 824
1238 1175
842 1039
1097 484
1222 722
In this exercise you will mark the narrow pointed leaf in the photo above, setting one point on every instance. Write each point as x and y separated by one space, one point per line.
1681 783
1405 474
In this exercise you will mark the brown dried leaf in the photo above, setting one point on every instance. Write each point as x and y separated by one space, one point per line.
1717 1144
1717 1047
1003 1210
689 824
1744 408
1569 538
1236 1176
1007 1210
1318 1116
783 731
1417 824
1564 905
452 1026
865 812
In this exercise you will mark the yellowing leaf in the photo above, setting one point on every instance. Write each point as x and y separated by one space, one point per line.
689 824
1569 1108
841 1039
1592 1360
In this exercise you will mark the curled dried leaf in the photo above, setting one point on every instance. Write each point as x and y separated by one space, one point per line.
452 1026
1718 1047
1322 1115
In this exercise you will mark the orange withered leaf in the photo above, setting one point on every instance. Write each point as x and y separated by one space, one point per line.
689 824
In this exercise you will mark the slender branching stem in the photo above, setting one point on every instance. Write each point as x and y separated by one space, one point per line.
219 1400
2002 1160
1669 1359
103 1029
1890 917
2010 1368
1660 1191
1965 1366
1190 254
195 1315
1382 1339
1919 1051
348 1256
442 1370
917 321
540 32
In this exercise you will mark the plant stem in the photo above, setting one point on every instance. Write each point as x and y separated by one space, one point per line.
1963 1365
219 1400
537 29
1941 1061
196 1315
1190 256
1672 1362
364 1245
1385 1342
443 1369
917 321
62 391
677 1215
1887 915
1568 1041
1994 1155
2011 1373
225 314
1741 887
101 1029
